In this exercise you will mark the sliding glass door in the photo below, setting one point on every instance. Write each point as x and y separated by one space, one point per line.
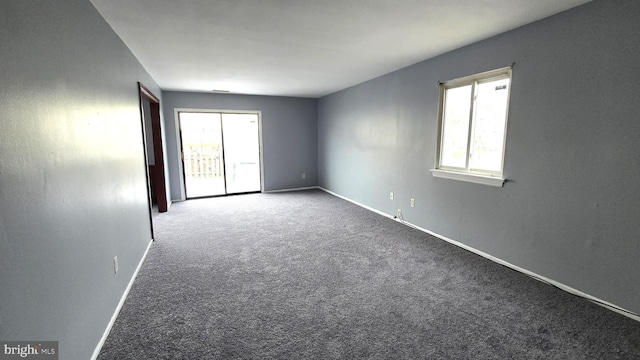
220 153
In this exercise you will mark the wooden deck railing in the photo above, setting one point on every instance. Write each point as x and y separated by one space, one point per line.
202 161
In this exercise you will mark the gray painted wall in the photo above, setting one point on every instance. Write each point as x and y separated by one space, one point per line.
72 173
289 135
570 210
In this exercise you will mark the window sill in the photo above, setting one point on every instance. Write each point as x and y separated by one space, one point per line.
469 177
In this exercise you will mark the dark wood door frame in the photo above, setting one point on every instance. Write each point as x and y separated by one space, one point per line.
157 177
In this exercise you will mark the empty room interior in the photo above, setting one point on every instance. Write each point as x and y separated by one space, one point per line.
383 179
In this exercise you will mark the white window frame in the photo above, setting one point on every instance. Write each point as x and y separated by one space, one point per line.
492 178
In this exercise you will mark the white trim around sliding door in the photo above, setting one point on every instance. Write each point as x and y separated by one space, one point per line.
183 195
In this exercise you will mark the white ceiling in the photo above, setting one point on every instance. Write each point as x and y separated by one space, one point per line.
304 48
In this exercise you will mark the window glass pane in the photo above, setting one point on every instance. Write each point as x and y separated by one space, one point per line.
455 133
202 154
241 152
489 125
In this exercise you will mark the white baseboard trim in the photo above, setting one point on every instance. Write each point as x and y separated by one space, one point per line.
538 277
96 352
357 203
292 189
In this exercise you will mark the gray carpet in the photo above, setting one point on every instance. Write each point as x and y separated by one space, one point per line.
305 275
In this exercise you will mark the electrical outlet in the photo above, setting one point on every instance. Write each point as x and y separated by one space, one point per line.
413 202
115 264
399 214
391 195
304 176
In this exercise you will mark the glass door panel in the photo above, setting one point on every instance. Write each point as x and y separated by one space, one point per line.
241 152
202 154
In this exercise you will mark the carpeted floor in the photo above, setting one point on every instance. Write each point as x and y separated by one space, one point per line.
306 275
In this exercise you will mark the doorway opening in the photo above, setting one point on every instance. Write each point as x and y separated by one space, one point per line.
152 150
157 186
220 153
